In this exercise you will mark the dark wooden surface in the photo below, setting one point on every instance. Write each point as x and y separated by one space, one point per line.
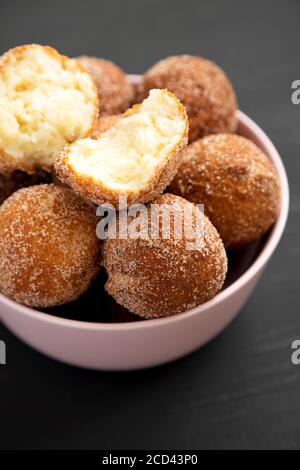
241 390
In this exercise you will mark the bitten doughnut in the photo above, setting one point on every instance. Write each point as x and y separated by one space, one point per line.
49 250
201 86
157 277
235 181
103 124
115 92
137 157
46 101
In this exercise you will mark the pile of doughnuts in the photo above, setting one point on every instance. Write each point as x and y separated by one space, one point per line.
75 133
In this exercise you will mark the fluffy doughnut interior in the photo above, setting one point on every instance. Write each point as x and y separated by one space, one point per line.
44 104
125 156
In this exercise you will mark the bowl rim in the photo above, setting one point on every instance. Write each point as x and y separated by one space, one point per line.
247 276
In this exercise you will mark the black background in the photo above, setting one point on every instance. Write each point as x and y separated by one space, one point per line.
241 390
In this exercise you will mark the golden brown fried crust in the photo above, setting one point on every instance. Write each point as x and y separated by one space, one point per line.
235 181
160 277
7 163
201 86
49 251
115 92
103 124
92 189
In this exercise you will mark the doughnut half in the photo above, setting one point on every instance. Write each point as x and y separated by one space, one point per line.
137 157
46 101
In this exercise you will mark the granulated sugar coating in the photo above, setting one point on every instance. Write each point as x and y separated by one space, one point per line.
156 277
49 251
201 86
235 181
103 124
115 93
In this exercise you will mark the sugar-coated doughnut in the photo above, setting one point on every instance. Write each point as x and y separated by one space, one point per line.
236 182
201 86
12 181
49 250
157 277
115 92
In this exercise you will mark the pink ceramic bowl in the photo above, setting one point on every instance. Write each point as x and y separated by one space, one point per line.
141 344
